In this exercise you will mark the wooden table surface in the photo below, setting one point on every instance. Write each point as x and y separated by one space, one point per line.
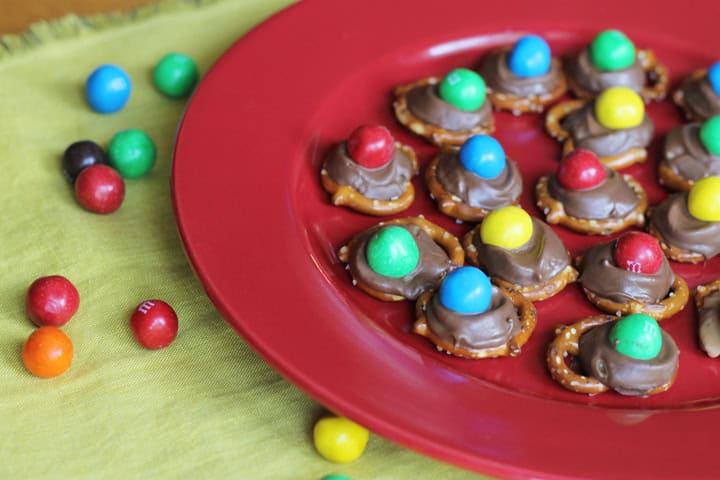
17 15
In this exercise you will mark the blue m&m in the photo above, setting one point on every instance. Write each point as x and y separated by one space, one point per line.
713 76
530 57
466 290
483 156
107 89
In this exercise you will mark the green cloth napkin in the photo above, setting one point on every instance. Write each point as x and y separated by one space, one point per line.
205 407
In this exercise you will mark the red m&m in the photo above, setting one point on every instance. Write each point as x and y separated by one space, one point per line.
100 189
52 300
154 324
639 253
580 170
371 146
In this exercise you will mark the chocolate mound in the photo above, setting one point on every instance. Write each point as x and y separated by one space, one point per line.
498 76
678 228
593 80
425 103
685 154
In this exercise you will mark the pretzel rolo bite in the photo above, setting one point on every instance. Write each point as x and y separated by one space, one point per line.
671 179
347 196
678 95
442 237
555 212
435 134
528 320
674 253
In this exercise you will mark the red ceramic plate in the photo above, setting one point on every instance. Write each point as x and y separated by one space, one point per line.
262 236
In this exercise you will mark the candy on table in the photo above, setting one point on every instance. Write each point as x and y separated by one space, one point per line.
371 146
463 89
107 89
638 252
80 155
154 324
508 227
530 57
392 252
466 290
335 476
52 300
48 352
132 153
483 155
710 134
619 107
704 199
612 50
100 189
339 439
580 170
175 75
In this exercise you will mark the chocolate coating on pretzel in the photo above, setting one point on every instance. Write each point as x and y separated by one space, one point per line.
687 158
425 103
707 300
592 80
696 97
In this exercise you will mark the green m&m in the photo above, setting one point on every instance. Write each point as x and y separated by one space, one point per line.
710 135
392 252
175 75
463 89
637 336
611 50
132 153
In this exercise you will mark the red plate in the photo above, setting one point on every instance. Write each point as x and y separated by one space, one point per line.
261 235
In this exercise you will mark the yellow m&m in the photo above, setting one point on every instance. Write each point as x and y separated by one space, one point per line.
340 440
508 227
704 199
619 107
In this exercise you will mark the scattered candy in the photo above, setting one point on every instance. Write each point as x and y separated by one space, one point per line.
81 155
48 352
100 189
611 50
52 300
508 227
132 153
339 440
619 107
704 199
637 336
154 324
483 156
371 146
639 253
713 75
392 252
107 89
530 57
463 89
580 170
710 135
466 290
175 75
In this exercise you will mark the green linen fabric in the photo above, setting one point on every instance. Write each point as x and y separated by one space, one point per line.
205 407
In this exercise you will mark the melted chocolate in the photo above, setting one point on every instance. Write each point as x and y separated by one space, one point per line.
543 257
600 274
613 198
709 324
425 103
626 375
699 97
679 229
593 80
490 329
496 72
685 154
383 183
432 266
473 190
587 132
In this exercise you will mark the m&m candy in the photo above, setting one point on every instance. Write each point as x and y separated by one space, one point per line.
483 156
638 252
508 227
611 50
47 352
463 89
100 189
580 170
619 107
107 89
52 300
637 336
175 75
466 290
132 153
530 57
710 135
79 156
704 199
154 324
335 476
713 76
392 252
340 440
371 146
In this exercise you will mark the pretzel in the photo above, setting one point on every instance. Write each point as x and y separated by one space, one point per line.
526 312
674 301
345 195
435 134
678 96
707 329
566 344
656 73
703 291
555 212
552 124
442 237
534 293
671 179
674 253
531 103
450 204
